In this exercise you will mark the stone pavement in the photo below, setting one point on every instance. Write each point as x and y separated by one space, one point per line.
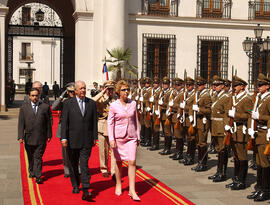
194 186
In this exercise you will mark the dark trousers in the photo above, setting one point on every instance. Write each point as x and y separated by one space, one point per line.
75 156
34 155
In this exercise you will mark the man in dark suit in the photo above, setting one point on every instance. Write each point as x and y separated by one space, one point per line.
78 134
42 98
34 130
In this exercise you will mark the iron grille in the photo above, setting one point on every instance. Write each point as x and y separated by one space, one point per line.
258 10
214 9
158 57
9 58
160 7
215 61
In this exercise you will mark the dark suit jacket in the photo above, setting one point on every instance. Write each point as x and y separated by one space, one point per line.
34 129
80 131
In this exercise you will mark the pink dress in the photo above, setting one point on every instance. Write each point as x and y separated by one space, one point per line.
123 127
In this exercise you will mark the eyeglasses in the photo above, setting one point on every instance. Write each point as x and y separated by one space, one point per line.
125 90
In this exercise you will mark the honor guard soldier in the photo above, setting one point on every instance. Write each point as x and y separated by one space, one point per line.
239 113
134 91
103 101
154 112
261 115
213 95
163 103
140 109
147 122
176 126
227 87
217 128
202 109
186 105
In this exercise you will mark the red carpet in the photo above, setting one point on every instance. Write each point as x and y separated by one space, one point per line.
57 189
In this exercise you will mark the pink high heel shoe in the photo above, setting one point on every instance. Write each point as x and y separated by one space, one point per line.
134 198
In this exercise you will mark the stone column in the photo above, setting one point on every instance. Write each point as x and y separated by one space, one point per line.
83 46
3 13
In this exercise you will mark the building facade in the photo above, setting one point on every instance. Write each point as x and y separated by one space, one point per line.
165 36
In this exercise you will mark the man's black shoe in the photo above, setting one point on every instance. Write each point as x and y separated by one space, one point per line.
66 175
254 194
86 196
39 180
201 168
75 190
153 148
213 176
178 156
263 196
220 178
238 186
229 185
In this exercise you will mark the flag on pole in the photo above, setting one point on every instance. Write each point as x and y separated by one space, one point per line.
105 72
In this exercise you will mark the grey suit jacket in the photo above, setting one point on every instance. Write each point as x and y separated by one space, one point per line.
34 129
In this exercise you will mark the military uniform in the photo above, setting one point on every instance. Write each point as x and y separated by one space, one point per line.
103 102
217 130
154 110
261 115
140 109
163 104
239 112
134 91
202 109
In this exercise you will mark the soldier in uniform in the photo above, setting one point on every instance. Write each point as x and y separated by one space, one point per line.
213 94
140 109
186 105
163 103
103 101
134 91
145 103
240 112
202 109
217 128
154 112
227 87
176 126
261 115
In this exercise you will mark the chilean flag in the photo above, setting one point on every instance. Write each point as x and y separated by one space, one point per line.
105 72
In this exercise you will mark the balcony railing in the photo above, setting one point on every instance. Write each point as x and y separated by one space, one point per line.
214 9
26 58
258 10
160 8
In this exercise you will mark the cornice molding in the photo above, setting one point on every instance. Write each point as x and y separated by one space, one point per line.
83 15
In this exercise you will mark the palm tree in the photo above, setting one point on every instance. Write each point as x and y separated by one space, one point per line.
119 59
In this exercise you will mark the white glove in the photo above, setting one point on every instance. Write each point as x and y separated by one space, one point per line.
137 97
195 108
168 113
148 109
160 102
190 118
227 127
231 113
141 99
129 96
255 115
178 116
157 112
171 103
268 135
151 99
182 105
138 106
251 132
62 94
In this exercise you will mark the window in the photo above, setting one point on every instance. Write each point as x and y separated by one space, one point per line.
262 8
158 55
26 15
214 9
212 57
26 51
160 7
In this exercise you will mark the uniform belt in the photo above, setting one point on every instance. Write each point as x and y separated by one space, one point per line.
263 127
217 118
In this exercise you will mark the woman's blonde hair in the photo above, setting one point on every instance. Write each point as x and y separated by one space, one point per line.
119 85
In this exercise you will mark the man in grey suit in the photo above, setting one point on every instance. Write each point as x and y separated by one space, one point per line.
78 134
34 130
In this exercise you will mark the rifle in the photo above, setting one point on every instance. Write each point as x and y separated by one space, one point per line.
150 105
255 99
191 127
227 138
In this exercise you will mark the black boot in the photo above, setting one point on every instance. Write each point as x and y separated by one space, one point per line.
258 186
222 167
190 159
147 141
179 149
218 169
241 184
265 193
253 162
235 179
142 134
199 159
165 146
155 144
203 160
167 150
186 155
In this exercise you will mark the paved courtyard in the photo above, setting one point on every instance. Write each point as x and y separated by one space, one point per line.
194 186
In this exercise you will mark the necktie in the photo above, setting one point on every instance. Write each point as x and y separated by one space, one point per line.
35 109
81 107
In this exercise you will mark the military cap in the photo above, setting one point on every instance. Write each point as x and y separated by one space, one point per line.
109 84
263 80
95 83
147 80
134 81
227 82
70 86
156 80
177 81
238 81
200 80
189 80
217 80
166 80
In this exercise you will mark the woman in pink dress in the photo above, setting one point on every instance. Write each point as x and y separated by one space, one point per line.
124 136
